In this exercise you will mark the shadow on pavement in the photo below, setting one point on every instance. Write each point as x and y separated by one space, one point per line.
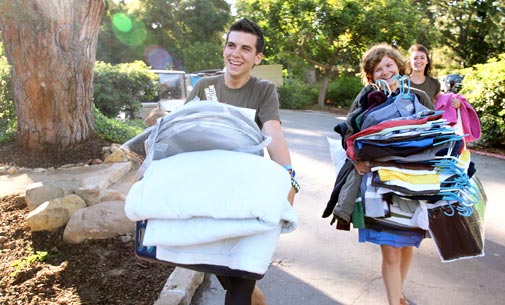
493 256
279 288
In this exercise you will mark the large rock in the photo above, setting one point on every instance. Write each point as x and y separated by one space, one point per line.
90 195
101 221
111 195
40 192
55 213
8 170
93 196
109 174
69 186
154 115
117 156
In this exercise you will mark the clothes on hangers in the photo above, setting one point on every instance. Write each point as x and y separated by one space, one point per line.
419 161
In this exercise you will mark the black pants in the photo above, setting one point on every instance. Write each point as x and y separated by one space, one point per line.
238 290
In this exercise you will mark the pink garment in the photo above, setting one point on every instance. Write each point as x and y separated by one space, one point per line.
469 118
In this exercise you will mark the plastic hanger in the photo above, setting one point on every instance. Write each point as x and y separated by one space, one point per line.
383 86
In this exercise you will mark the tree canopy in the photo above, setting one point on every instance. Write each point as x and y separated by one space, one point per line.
332 35
177 34
471 29
188 34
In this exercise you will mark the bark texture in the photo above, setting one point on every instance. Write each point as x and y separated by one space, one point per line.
51 45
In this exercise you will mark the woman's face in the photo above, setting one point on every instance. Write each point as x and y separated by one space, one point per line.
418 61
386 70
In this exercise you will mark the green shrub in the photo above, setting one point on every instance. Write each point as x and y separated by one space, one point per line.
114 130
342 91
122 87
8 119
295 94
484 88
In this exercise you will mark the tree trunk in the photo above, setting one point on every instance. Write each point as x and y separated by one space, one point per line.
324 88
51 45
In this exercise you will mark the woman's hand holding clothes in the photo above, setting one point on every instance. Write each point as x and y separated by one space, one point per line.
363 167
456 103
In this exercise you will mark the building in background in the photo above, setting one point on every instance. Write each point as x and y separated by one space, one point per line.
272 73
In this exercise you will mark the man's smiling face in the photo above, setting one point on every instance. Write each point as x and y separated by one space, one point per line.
240 54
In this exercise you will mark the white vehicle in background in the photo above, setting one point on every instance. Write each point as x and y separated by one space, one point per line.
173 92
175 88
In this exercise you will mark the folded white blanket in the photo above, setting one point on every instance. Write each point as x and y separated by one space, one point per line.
251 253
197 231
202 197
214 207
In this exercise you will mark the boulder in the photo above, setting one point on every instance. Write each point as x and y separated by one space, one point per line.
55 213
101 221
93 196
115 147
90 194
117 156
154 115
39 192
69 186
111 195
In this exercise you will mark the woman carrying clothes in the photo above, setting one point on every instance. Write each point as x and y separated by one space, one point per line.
384 62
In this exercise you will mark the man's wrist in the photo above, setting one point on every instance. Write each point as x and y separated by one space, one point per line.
290 170
292 173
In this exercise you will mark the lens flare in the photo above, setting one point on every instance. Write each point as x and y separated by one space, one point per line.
157 58
127 30
122 22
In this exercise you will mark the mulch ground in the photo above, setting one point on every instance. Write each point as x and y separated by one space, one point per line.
38 268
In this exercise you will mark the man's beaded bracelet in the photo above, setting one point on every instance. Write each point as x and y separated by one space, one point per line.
295 184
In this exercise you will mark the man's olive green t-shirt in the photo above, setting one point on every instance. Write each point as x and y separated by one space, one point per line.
257 94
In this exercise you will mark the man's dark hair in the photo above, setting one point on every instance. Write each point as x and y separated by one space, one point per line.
247 26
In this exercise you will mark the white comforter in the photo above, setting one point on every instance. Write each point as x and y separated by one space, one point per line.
214 207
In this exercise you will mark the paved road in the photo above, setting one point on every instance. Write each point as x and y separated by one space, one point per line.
317 265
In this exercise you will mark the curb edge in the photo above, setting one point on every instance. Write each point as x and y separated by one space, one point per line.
180 287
